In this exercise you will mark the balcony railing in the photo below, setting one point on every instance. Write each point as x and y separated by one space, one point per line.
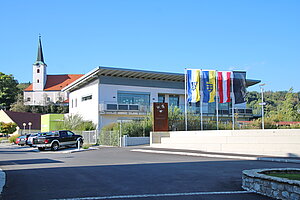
136 109
128 109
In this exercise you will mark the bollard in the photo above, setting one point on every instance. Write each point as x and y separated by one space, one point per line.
78 144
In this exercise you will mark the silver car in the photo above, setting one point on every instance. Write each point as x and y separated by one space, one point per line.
30 138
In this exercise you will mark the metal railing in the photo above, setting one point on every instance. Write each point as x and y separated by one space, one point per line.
118 108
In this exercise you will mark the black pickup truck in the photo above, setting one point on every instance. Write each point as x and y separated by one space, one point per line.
57 139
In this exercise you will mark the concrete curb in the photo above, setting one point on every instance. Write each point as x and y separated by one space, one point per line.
284 160
2 180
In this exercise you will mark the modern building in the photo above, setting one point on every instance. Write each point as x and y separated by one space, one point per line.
26 122
46 88
106 95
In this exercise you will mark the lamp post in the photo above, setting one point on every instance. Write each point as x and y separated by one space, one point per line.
262 105
24 125
29 124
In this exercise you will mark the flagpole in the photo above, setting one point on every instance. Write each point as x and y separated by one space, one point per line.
185 102
232 101
217 102
201 100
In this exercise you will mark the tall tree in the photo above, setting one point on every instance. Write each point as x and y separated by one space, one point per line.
8 90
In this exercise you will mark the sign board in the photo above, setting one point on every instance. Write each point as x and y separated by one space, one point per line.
160 112
262 104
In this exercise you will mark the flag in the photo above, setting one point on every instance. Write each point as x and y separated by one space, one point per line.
209 86
239 87
193 85
224 86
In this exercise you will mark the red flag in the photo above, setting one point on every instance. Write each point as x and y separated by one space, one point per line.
224 84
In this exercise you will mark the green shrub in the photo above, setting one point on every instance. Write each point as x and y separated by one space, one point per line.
12 139
86 146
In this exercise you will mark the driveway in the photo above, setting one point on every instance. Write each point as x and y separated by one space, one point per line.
119 173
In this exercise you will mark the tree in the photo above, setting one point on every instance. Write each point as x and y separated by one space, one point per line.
19 106
76 123
8 128
8 90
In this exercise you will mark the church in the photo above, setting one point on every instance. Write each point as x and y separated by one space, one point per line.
46 89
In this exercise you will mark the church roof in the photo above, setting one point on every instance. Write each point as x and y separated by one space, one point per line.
40 57
57 82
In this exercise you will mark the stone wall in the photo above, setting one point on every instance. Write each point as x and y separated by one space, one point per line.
269 142
258 181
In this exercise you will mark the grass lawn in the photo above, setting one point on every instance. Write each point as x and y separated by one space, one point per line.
288 176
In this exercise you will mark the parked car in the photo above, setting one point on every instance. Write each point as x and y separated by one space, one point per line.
30 138
57 139
22 140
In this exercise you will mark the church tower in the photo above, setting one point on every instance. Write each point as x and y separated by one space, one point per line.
39 70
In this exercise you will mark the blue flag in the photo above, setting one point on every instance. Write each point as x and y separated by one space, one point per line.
209 86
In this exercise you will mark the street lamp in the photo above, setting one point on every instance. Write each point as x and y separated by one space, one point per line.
24 125
29 124
262 105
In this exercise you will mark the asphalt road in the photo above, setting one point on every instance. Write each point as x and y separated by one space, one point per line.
118 173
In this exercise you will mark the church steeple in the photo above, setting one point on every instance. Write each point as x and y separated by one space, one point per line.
40 57
39 73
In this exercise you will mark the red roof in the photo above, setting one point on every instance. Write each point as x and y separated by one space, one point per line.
57 82
25 117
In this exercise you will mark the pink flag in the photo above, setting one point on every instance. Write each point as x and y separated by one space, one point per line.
224 83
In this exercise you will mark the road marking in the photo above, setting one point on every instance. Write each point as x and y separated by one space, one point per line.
157 195
195 154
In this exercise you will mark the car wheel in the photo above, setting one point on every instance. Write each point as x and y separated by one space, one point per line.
41 148
54 146
80 143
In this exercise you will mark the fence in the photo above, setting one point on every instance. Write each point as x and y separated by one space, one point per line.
111 138
90 137
134 141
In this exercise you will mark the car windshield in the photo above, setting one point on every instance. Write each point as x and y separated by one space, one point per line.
52 134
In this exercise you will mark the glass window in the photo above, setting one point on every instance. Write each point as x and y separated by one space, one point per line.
133 98
28 99
161 98
174 100
70 133
63 133
85 98
38 70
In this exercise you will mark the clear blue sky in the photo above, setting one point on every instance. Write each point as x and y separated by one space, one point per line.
261 37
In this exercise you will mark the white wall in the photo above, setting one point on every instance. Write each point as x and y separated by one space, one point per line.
87 109
39 97
271 142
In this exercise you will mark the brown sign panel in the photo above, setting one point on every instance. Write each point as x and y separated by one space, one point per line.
160 111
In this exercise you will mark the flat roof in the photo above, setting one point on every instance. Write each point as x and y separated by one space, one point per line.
132 73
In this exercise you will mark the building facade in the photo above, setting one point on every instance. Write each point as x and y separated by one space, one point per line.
46 88
107 95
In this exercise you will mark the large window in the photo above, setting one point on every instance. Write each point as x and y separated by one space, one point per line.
174 100
133 98
161 98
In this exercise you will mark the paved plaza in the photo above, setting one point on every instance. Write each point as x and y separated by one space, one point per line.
122 173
